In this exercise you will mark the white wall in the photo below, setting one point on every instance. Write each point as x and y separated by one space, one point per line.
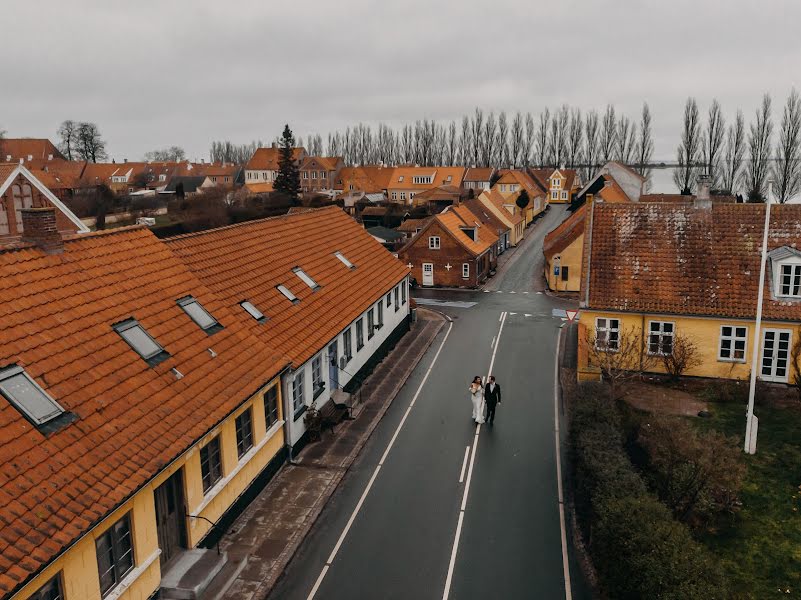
392 319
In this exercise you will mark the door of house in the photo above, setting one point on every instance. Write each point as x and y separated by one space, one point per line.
171 516
333 367
428 273
775 354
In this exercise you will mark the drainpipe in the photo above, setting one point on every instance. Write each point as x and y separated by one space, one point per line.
287 410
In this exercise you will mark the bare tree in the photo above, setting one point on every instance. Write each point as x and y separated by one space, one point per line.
688 151
626 140
91 147
607 139
619 356
575 139
451 145
528 145
541 148
465 143
735 151
489 141
477 135
171 154
645 144
502 152
759 142
787 171
407 144
591 147
558 140
713 143
68 132
316 145
683 354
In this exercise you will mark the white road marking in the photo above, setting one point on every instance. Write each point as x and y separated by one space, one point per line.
565 563
492 343
499 292
540 293
486 291
377 469
452 564
527 314
500 317
511 313
464 464
525 292
512 292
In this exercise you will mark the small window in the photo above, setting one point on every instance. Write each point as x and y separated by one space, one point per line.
199 315
397 298
433 242
394 195
607 334
791 281
287 294
347 345
317 376
344 260
465 270
400 179
359 334
733 339
554 195
403 293
136 336
114 554
27 396
370 324
49 591
564 195
565 273
660 338
271 407
389 299
244 432
298 399
253 311
210 464
305 278
380 306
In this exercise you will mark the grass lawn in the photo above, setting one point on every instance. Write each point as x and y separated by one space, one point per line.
761 548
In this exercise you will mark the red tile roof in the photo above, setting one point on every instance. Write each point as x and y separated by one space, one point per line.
487 217
132 419
266 159
565 233
678 259
478 174
458 216
247 261
25 147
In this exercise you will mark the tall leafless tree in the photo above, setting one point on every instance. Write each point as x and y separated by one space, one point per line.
541 144
575 139
476 135
502 151
645 144
688 152
557 143
759 146
465 143
451 145
591 144
713 143
407 144
626 140
735 151
91 147
787 171
607 137
171 154
489 141
68 132
531 133
516 140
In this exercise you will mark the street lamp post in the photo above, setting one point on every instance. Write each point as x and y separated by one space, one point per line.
751 422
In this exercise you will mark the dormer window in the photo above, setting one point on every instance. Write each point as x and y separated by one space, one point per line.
199 315
786 271
400 179
422 179
305 278
140 340
791 280
253 311
27 396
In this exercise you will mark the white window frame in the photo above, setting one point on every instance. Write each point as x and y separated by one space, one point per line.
130 324
347 345
189 303
564 195
254 312
465 270
733 338
605 343
394 195
298 391
285 291
661 333
434 242
794 273
554 195
318 385
15 371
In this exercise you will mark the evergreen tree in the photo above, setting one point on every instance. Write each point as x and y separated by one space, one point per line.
288 179
522 200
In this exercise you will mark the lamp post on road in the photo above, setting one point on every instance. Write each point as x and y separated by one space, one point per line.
751 422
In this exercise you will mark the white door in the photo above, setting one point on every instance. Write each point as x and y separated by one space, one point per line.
775 354
428 273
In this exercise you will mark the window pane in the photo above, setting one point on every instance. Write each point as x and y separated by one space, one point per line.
726 330
199 315
28 397
244 433
252 310
140 341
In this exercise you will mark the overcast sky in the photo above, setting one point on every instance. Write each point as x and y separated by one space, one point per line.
154 74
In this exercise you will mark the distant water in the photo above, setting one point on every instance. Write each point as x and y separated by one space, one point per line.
662 183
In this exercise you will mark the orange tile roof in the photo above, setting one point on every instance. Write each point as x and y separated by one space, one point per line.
267 159
132 419
25 147
6 169
327 163
494 196
565 233
456 217
410 225
486 216
439 176
478 173
370 180
247 261
612 192
678 259
259 188
521 178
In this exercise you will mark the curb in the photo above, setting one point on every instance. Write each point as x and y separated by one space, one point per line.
288 553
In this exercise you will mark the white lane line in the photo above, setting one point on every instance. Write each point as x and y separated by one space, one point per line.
464 464
565 563
492 343
500 317
377 469
512 292
449 577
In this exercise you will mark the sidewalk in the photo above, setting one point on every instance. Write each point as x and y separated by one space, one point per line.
272 528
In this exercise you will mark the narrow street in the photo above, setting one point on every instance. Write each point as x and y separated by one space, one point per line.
436 507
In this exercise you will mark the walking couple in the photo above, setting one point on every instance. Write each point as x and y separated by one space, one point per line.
481 395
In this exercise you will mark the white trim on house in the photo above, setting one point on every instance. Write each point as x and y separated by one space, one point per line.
20 169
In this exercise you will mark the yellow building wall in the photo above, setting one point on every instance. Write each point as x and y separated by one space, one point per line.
570 257
515 231
78 566
703 331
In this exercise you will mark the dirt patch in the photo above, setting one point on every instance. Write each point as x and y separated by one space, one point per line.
663 400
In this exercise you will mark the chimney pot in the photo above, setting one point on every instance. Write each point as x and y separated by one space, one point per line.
39 226
30 157
704 181
125 160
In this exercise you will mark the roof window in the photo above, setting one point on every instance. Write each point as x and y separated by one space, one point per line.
287 294
253 311
199 315
305 278
400 179
140 340
27 396
344 260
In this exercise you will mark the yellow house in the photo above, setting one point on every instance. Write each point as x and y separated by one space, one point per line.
495 203
658 273
405 183
563 248
132 418
511 183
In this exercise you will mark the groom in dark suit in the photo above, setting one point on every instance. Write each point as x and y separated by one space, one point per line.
492 396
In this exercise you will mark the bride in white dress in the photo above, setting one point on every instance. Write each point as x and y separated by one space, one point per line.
477 399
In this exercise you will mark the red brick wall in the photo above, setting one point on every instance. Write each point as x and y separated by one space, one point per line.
450 253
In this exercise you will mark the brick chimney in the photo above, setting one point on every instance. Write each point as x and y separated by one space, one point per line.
39 227
702 199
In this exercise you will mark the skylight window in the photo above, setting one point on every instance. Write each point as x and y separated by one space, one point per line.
305 278
344 260
136 336
26 395
253 311
287 294
199 315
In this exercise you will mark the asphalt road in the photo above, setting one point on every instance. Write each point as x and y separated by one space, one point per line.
390 530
